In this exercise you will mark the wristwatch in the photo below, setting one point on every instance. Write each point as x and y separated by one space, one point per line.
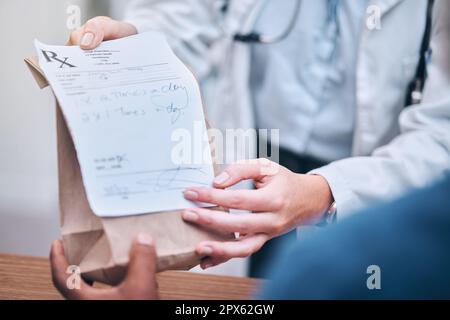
329 216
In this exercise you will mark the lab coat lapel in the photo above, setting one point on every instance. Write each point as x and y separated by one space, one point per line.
385 5
241 15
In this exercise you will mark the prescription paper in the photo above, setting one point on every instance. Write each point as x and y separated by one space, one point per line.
132 108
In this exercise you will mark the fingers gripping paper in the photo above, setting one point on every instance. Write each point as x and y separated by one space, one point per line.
122 108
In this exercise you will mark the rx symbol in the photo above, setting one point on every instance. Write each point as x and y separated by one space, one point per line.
50 55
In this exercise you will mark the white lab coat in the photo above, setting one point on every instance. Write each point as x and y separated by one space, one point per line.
394 149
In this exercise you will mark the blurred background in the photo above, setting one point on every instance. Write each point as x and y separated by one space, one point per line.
29 218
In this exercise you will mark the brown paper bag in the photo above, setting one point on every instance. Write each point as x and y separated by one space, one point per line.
99 246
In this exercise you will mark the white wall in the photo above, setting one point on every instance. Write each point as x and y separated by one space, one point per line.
117 8
28 181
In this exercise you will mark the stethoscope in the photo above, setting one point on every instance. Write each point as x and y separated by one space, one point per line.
256 37
415 87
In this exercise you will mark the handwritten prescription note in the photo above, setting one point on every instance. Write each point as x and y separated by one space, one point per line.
122 103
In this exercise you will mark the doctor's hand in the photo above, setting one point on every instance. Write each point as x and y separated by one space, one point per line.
139 284
99 29
282 201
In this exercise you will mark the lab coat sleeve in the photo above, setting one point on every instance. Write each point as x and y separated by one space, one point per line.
419 155
191 27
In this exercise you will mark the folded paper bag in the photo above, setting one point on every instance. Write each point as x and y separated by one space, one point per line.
99 246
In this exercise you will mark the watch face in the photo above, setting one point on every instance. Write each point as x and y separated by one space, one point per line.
333 208
330 216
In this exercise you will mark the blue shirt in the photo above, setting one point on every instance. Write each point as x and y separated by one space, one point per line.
305 85
408 239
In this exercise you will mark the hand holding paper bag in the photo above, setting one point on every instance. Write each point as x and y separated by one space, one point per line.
139 283
120 104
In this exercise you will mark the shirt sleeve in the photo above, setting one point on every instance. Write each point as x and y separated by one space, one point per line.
419 155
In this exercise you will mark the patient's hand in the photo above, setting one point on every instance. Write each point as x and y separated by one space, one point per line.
139 284
98 29
282 201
